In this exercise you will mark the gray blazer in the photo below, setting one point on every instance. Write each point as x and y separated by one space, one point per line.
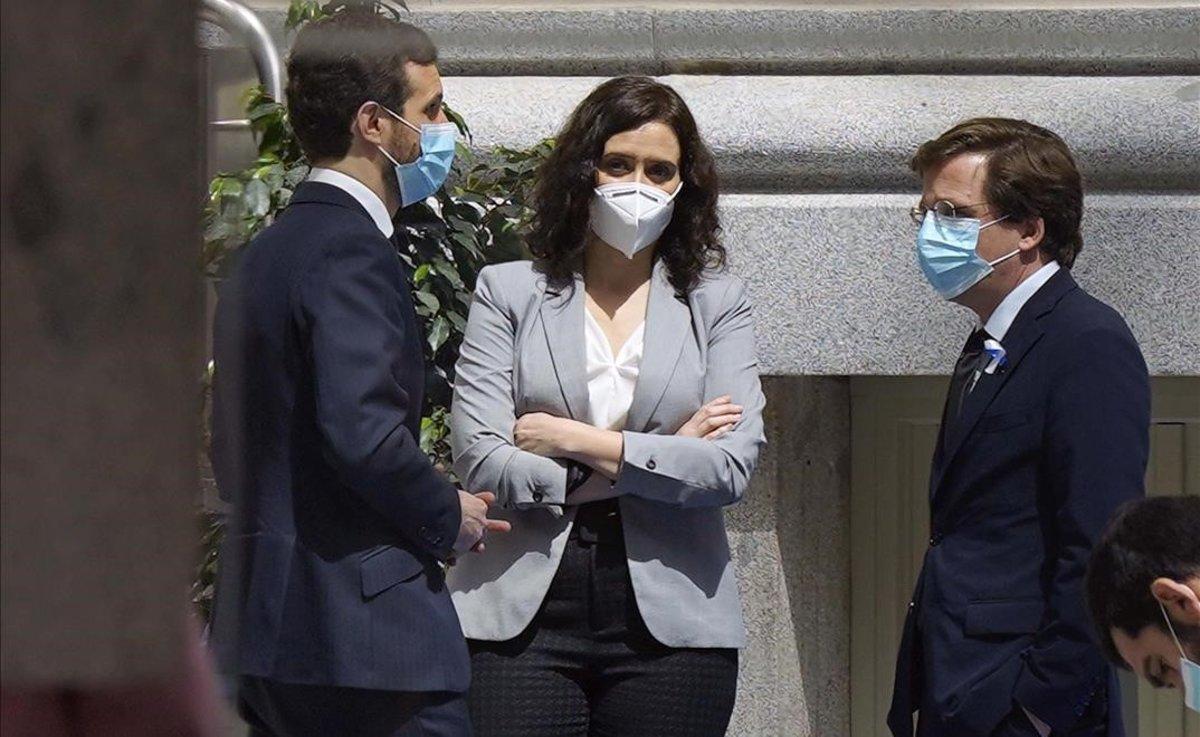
524 352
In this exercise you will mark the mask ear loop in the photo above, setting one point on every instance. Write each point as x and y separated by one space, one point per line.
1006 257
392 113
399 117
1171 628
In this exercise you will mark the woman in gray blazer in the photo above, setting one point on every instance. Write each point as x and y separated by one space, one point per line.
608 393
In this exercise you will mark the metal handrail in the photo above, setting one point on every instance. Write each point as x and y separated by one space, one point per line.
242 21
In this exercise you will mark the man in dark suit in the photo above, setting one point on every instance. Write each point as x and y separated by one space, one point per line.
332 610
1143 589
1045 433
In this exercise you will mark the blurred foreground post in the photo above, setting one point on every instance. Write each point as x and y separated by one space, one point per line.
100 361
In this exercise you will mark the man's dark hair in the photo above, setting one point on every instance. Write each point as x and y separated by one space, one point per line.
341 61
1148 539
1030 173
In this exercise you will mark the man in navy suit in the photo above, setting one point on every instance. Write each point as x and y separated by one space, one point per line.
1045 433
332 611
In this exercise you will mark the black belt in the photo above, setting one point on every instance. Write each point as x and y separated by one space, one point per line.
598 523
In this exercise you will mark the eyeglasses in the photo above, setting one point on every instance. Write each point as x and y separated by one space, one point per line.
944 208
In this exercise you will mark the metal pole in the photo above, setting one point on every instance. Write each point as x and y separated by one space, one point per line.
243 22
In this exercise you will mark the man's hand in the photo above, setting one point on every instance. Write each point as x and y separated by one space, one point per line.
542 434
712 420
475 522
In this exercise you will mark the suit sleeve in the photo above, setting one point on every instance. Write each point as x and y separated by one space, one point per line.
357 326
694 472
1097 445
484 414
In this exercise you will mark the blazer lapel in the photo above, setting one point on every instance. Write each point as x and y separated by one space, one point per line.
562 320
1024 334
668 323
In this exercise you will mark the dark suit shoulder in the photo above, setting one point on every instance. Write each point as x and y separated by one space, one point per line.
1085 312
1079 314
330 227
314 233
1084 330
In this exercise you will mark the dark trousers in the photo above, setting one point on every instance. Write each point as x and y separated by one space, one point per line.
587 666
274 709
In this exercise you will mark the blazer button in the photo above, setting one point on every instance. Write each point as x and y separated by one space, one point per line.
935 539
650 464
538 496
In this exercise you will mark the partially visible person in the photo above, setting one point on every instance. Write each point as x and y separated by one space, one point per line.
332 610
1143 589
1044 434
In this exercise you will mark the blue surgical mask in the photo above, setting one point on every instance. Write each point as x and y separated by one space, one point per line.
946 253
1189 670
421 178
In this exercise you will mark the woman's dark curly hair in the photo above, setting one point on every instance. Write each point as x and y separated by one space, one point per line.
566 181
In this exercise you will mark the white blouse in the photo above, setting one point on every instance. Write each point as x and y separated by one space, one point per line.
610 381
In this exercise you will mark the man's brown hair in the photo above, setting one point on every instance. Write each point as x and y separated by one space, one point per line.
1030 173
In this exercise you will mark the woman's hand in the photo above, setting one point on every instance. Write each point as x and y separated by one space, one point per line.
542 434
713 419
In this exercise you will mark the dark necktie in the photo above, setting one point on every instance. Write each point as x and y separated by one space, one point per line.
970 362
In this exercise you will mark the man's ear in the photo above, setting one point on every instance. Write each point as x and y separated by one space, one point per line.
366 123
1033 232
1180 600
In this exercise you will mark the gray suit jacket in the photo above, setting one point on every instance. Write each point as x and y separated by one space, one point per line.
524 352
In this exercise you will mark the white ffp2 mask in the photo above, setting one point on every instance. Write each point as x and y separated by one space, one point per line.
629 216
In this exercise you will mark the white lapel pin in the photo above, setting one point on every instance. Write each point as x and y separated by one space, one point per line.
997 355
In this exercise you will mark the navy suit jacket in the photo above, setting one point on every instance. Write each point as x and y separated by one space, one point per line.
1043 453
329 570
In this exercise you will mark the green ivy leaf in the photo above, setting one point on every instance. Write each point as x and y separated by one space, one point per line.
231 188
444 269
263 110
453 116
295 175
258 197
439 330
428 300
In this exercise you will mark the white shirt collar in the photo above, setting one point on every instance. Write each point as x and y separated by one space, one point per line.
1002 319
360 192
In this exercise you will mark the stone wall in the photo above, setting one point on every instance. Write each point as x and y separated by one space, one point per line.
800 98
790 540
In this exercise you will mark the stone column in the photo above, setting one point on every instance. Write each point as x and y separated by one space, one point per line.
791 544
